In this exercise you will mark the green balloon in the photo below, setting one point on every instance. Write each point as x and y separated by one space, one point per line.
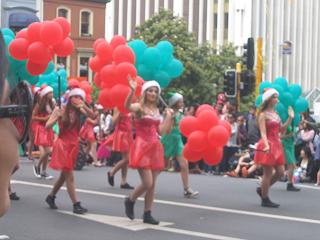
259 101
162 78
282 82
295 90
263 86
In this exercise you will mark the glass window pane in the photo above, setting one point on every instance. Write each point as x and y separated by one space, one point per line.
84 67
85 22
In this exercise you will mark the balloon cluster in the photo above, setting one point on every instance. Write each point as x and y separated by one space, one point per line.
113 63
39 42
51 78
17 69
84 85
156 63
206 135
289 95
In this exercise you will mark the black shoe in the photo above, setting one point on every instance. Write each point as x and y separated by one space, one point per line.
266 202
78 209
258 190
50 201
292 188
147 218
110 179
126 186
129 207
14 196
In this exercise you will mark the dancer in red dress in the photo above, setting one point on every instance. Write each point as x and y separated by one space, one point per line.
146 153
43 137
66 147
269 152
87 135
121 142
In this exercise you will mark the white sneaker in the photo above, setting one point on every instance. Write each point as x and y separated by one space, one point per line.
189 193
46 176
36 171
4 237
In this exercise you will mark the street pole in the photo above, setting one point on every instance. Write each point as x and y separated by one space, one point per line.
238 71
259 65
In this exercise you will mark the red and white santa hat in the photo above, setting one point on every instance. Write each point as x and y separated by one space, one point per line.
44 90
268 93
77 92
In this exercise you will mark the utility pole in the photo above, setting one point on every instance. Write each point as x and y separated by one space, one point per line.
238 71
259 65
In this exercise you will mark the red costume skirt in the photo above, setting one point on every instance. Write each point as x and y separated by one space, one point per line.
146 155
86 132
43 136
64 154
274 157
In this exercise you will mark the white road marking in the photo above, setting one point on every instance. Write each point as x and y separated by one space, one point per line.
138 225
180 204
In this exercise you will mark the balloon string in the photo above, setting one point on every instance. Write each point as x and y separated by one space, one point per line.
163 102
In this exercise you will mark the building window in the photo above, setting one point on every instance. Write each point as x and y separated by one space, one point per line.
84 72
64 12
63 63
86 23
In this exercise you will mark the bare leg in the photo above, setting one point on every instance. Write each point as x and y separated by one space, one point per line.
149 197
184 171
279 171
58 184
93 148
123 165
31 144
266 179
71 186
146 183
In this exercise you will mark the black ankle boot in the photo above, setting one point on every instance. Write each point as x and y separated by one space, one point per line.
110 179
51 202
258 190
266 202
147 218
129 206
292 188
78 209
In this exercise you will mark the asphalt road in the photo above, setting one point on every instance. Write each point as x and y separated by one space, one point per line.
227 208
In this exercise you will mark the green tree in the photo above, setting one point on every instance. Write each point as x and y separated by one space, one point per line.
203 75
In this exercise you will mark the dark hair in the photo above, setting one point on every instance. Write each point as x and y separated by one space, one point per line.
66 116
307 152
43 102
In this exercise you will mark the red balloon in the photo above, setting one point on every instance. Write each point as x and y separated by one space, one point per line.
64 48
22 34
97 42
105 99
73 83
123 70
33 31
65 26
123 53
198 141
39 53
213 156
191 156
97 80
108 76
35 69
88 98
95 64
104 52
226 125
123 109
51 33
204 107
207 119
140 83
188 125
119 94
86 87
218 136
117 41
18 48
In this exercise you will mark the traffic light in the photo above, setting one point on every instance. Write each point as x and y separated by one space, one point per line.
248 54
248 80
230 83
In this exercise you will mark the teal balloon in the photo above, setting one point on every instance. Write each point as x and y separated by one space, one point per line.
295 90
284 116
174 68
152 58
280 108
288 99
282 82
62 73
259 101
301 105
263 86
138 47
7 40
162 78
166 49
144 72
23 74
7 32
296 119
50 68
280 91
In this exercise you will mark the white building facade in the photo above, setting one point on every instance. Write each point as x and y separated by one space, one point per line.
277 22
